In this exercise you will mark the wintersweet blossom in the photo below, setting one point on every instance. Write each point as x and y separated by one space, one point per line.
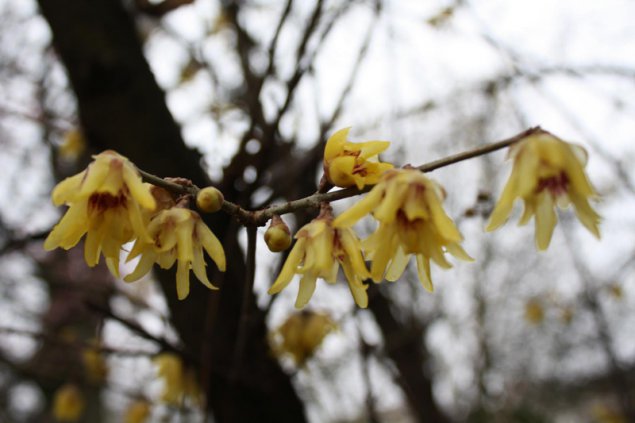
301 335
347 163
106 202
179 381
319 251
547 172
95 365
411 221
137 412
68 403
178 235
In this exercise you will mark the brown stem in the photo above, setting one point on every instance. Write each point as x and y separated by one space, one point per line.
262 216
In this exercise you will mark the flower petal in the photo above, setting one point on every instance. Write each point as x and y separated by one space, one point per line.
212 245
305 292
143 267
545 221
289 268
182 279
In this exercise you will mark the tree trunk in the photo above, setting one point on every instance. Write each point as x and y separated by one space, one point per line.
121 107
405 347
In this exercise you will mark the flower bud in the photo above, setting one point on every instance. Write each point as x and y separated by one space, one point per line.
278 236
209 200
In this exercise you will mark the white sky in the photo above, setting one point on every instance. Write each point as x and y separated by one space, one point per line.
410 63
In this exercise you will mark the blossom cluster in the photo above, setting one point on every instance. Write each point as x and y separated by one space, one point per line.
111 206
301 335
411 220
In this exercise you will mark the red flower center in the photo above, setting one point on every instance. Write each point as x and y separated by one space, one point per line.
557 185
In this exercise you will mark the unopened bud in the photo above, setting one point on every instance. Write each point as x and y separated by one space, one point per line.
209 200
278 236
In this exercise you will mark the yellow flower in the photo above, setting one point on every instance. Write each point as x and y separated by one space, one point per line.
106 202
137 412
95 365
68 403
547 172
318 252
534 311
73 145
605 413
179 381
347 163
301 335
616 291
178 235
411 221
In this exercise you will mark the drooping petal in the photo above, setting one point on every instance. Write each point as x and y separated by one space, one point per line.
393 199
589 218
503 208
358 291
166 259
381 258
113 266
92 247
184 239
353 251
289 268
182 279
66 190
441 220
398 265
139 191
545 221
359 209
69 230
305 292
212 245
143 267
423 270
95 176
457 251
198 266
136 222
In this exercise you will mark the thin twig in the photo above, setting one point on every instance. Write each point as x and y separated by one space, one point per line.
135 327
262 216
53 339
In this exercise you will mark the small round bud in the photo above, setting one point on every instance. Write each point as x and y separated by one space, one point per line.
278 236
209 200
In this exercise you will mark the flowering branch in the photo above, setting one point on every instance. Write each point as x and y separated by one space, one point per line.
262 216
547 172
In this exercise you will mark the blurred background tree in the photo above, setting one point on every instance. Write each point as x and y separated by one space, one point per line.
243 94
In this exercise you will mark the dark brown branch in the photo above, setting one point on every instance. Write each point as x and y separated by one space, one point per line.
136 328
159 9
